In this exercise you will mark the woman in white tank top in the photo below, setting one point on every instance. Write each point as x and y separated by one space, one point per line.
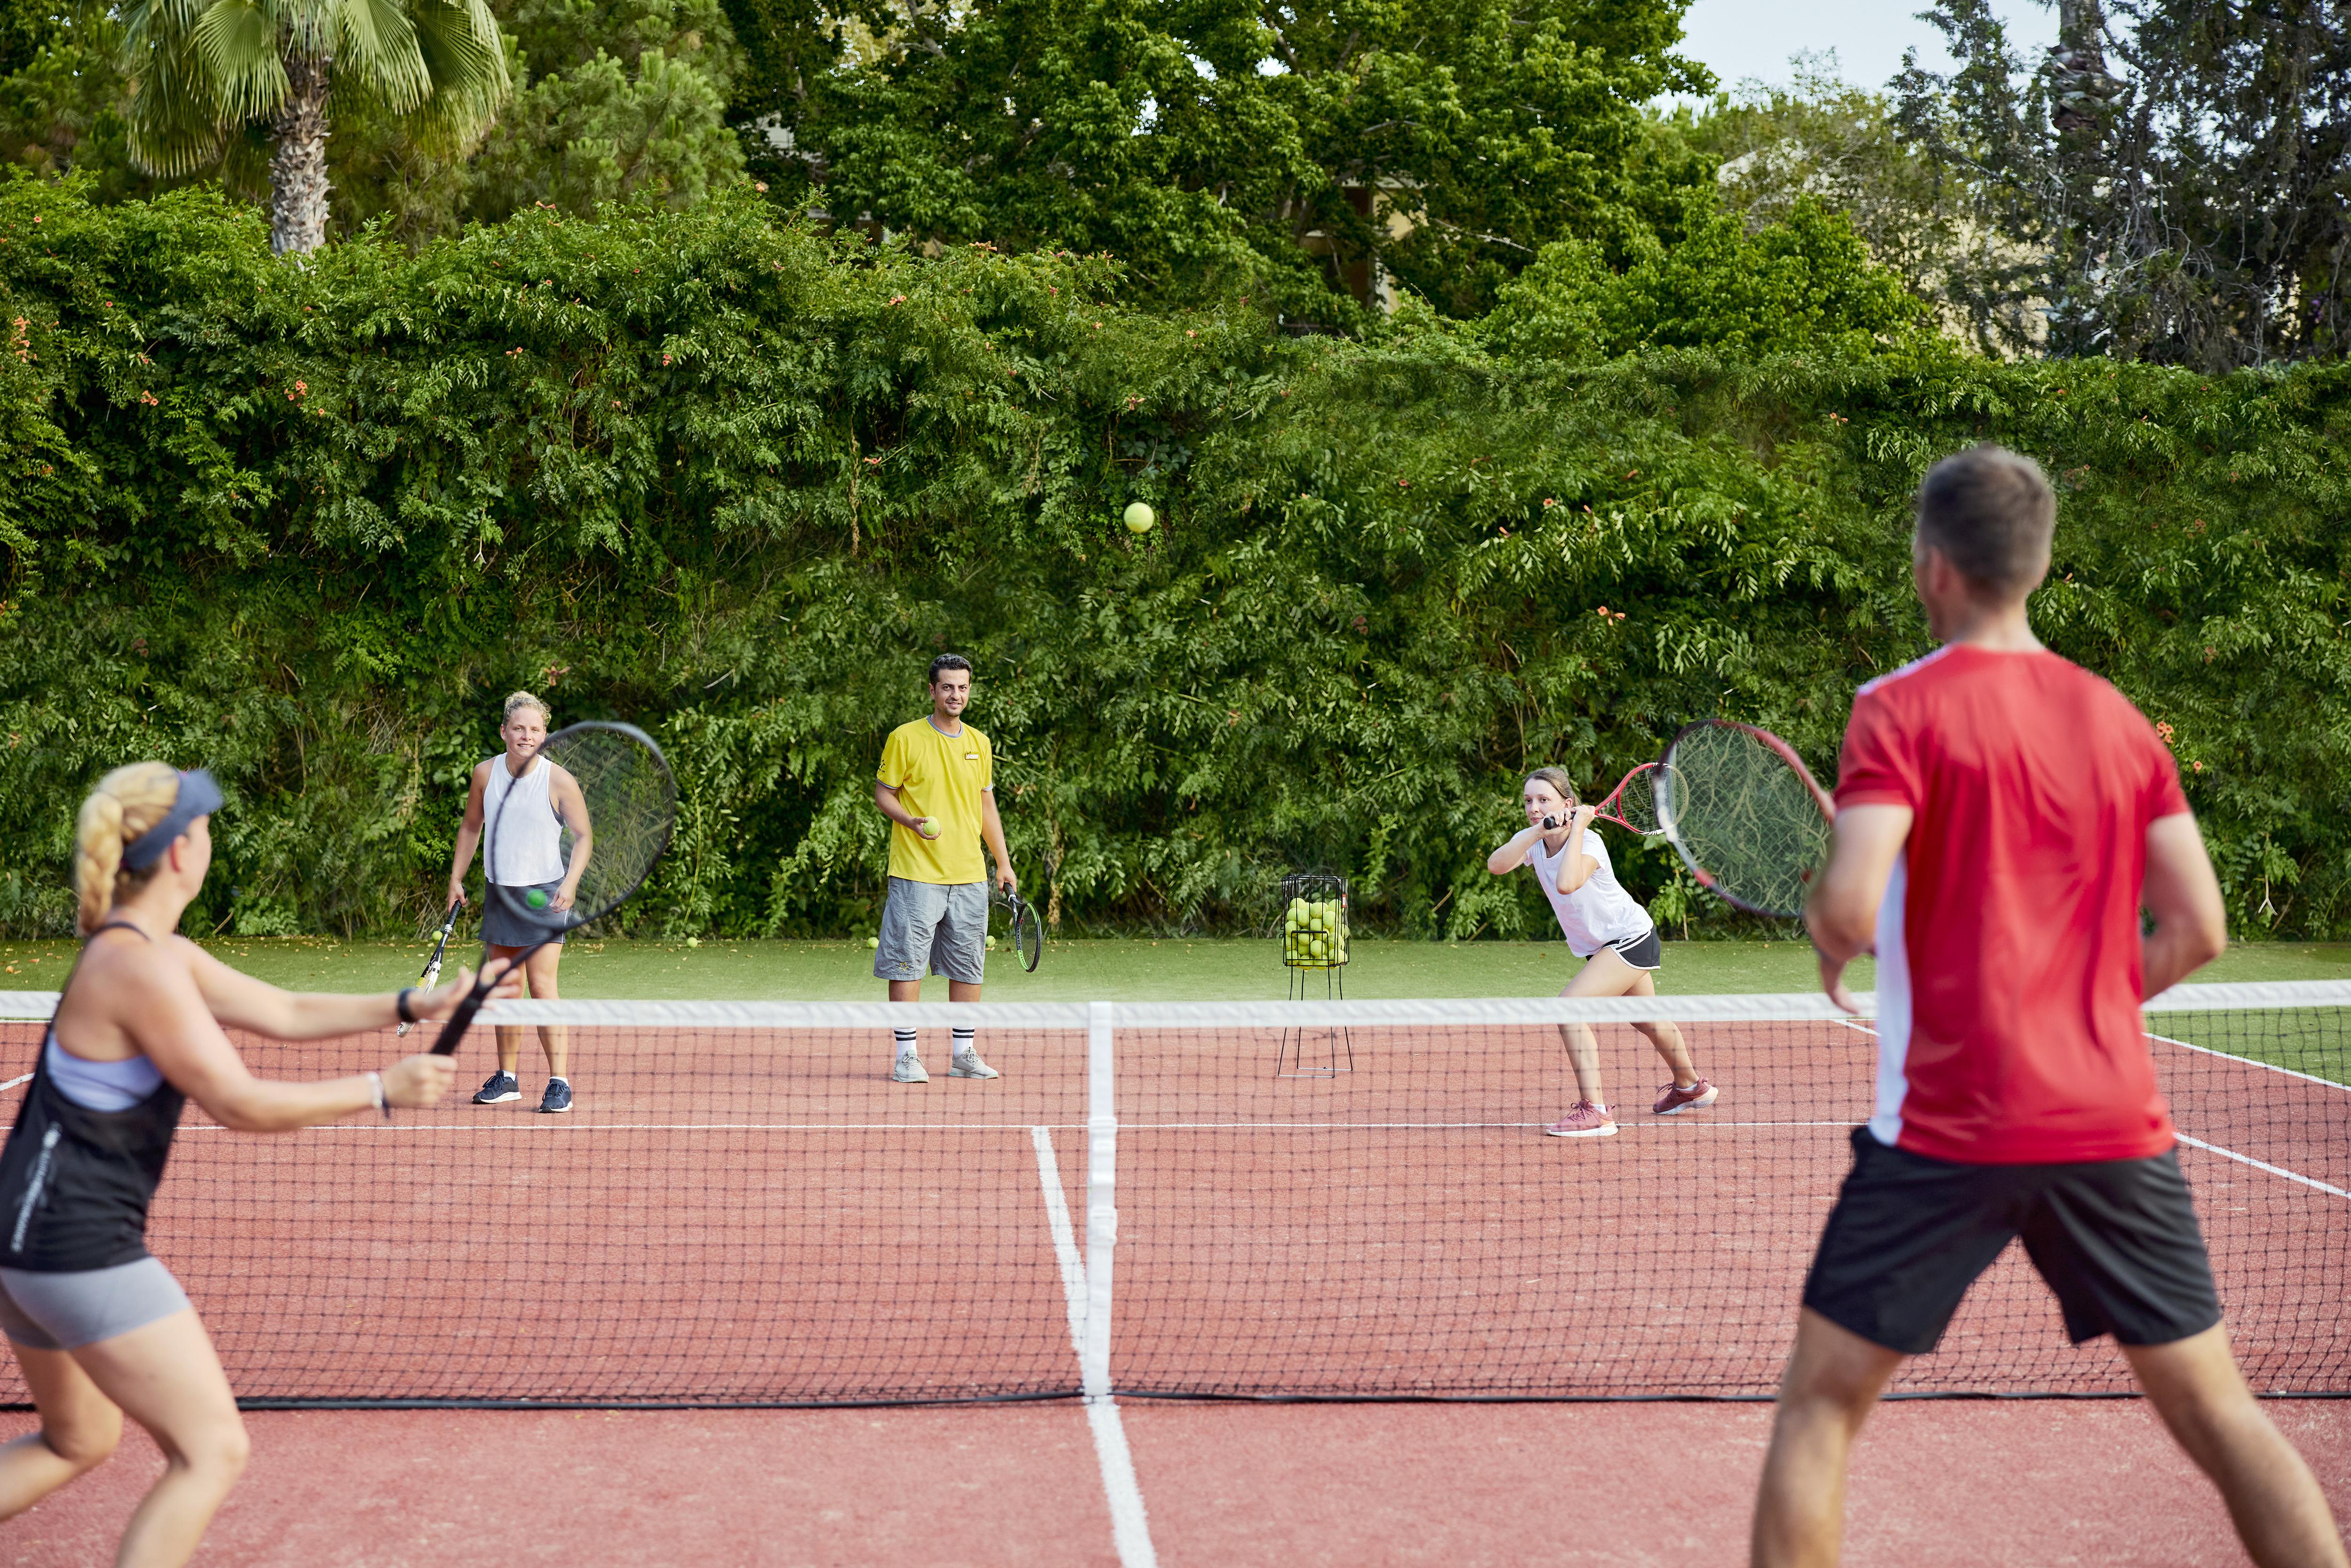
1613 935
522 800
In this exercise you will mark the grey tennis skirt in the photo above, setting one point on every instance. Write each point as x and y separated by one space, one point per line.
508 922
64 1311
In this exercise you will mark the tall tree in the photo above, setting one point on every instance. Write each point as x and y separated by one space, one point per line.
199 71
1322 150
2170 183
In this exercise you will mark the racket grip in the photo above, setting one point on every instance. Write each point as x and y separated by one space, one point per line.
453 1034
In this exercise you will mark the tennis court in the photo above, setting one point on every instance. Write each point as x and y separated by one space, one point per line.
1189 1209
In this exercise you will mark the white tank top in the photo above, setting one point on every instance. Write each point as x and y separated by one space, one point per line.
1598 914
525 845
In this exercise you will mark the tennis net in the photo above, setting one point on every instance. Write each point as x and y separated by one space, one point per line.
1315 1200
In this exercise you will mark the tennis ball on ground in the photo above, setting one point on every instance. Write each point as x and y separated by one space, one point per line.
1138 518
873 942
536 898
694 941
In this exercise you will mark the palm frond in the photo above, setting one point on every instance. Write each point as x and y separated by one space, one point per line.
174 119
238 44
375 47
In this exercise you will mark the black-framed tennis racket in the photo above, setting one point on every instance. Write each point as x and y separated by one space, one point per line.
612 834
1745 814
1027 931
433 964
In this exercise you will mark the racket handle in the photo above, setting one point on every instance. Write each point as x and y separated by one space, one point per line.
453 1034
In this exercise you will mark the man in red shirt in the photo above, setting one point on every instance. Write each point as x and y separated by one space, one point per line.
2002 816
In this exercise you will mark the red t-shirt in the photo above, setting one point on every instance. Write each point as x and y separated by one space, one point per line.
2008 944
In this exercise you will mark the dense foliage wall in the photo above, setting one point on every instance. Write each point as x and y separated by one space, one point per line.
737 483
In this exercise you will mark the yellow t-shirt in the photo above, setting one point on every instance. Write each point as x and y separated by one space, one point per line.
941 777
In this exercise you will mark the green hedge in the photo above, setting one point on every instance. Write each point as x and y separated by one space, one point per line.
737 483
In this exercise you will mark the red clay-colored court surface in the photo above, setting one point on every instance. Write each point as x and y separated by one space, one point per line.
2038 1484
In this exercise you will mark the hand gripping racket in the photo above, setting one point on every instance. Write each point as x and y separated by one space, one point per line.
616 803
433 964
1028 932
1633 803
1745 814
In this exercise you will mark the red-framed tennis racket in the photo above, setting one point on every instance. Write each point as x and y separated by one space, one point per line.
1746 815
1632 804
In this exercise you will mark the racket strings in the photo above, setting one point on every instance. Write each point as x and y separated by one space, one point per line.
1745 817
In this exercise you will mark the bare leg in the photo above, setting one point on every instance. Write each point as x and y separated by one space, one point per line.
1663 1034
166 1377
79 1428
555 1039
1583 1057
2280 1513
1605 974
509 1037
1831 1384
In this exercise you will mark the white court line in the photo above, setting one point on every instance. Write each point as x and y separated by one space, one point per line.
1130 1529
2253 1061
538 1129
2264 1165
14 1083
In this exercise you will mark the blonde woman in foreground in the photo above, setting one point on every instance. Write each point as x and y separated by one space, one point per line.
97 1324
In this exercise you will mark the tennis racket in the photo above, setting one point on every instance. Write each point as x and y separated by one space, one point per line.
1632 804
1028 932
1745 814
433 964
615 829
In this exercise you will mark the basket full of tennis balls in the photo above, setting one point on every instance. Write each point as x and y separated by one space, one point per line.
1314 932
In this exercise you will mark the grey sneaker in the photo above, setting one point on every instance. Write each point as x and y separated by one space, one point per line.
500 1089
968 1064
908 1068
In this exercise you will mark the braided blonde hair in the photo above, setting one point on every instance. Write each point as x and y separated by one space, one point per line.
126 803
522 700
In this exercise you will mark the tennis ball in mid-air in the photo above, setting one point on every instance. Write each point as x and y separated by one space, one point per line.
1138 518
873 941
536 898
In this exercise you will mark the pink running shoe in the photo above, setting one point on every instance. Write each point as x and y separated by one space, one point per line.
1585 1120
1697 1097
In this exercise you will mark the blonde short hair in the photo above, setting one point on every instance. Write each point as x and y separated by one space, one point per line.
519 700
126 803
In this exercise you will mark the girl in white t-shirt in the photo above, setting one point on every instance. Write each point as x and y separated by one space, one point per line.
1613 935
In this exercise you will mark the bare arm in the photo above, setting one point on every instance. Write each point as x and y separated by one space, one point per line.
240 1001
1577 870
991 832
2192 925
1513 854
469 833
1842 913
885 799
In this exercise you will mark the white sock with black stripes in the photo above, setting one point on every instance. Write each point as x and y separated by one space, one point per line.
963 1042
905 1041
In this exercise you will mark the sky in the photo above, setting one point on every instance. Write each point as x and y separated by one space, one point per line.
1742 38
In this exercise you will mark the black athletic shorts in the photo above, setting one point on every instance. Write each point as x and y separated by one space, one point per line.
2116 1239
1642 952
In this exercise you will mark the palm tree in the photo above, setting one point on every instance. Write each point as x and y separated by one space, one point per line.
201 69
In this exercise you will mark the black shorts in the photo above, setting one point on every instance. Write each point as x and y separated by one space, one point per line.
2116 1239
1642 952
508 922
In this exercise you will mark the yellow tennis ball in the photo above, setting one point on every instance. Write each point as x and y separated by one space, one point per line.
1138 518
873 941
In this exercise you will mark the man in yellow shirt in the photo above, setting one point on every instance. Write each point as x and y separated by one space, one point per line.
937 787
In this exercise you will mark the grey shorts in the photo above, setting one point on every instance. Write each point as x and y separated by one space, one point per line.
945 923
64 1311
508 922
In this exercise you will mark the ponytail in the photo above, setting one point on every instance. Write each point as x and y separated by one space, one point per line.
126 803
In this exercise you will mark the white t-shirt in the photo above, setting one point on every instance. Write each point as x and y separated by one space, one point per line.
525 838
1598 914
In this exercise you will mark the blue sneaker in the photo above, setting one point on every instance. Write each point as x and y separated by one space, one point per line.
557 1097
500 1089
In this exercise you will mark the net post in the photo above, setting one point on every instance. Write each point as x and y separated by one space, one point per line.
1101 1199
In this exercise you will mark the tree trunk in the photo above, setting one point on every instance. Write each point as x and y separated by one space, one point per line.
297 167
